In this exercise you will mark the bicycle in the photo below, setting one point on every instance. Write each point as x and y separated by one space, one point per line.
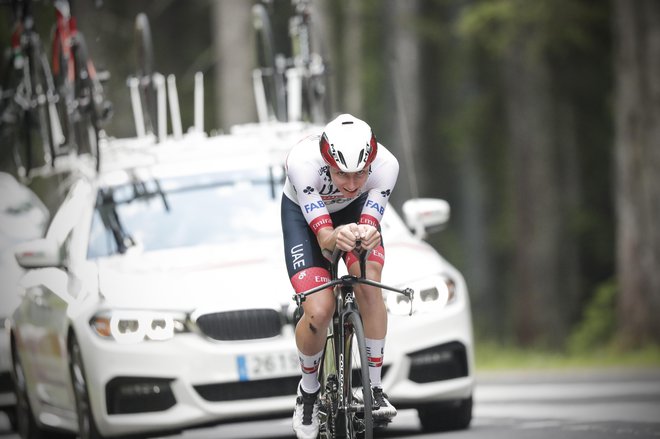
294 87
309 67
27 95
83 105
345 401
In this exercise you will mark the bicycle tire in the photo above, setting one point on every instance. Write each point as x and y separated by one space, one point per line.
13 119
266 62
87 122
34 139
357 375
65 94
145 63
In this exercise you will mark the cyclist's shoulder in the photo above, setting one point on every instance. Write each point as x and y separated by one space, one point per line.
385 158
305 152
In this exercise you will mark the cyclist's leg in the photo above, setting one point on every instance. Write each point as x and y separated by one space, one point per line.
307 268
374 317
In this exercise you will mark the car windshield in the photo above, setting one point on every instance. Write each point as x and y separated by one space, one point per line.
158 214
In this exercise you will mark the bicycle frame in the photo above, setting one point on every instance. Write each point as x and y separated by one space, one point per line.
337 357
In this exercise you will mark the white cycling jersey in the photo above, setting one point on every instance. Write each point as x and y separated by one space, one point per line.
308 184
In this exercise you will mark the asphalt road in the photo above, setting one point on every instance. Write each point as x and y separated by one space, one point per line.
608 404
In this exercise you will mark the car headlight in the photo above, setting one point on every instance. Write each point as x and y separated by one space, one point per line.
133 326
431 294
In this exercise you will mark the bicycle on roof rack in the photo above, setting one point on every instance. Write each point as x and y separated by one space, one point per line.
345 397
27 95
83 105
294 87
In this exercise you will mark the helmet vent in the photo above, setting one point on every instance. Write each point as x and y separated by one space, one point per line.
341 157
361 156
348 122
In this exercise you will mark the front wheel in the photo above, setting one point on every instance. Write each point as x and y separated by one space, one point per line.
86 424
359 417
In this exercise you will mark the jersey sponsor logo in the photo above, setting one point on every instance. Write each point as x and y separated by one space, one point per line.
320 222
309 278
298 255
369 220
373 205
311 206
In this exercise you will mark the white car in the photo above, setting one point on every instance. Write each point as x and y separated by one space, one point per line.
22 217
159 299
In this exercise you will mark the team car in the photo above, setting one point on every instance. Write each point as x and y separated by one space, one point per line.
159 300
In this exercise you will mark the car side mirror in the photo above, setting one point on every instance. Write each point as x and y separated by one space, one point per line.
38 253
425 215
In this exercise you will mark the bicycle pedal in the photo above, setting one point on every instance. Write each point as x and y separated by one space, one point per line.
381 423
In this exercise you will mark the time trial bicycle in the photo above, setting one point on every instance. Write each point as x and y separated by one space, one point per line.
346 401
82 106
294 86
27 95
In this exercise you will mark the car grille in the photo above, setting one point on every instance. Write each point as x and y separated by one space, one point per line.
246 324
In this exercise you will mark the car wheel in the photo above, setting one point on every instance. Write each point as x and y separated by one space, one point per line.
26 425
446 416
86 425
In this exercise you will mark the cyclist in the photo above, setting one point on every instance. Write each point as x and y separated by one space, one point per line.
338 184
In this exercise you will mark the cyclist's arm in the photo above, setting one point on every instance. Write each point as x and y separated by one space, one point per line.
343 237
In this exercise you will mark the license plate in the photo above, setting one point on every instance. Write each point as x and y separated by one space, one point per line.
267 365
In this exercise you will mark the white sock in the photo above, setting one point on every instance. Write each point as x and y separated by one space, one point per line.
309 364
375 351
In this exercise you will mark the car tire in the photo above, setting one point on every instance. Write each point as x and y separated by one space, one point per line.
26 424
446 416
86 425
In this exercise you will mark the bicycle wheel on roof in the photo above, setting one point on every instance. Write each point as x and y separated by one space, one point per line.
86 120
272 78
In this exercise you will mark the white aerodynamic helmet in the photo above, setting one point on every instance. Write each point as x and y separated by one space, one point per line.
348 144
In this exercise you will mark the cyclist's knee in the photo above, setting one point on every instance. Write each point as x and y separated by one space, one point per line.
319 310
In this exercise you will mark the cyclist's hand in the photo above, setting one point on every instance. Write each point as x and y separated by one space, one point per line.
347 235
369 236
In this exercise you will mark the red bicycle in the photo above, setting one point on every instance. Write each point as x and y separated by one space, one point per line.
82 106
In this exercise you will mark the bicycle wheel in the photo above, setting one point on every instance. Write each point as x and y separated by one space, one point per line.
266 62
328 397
86 120
32 138
65 95
12 118
358 398
144 53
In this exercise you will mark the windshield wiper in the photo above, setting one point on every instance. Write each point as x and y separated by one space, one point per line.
107 209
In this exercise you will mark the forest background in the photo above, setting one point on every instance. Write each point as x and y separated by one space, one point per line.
537 120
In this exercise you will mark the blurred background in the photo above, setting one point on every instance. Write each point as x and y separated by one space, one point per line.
537 120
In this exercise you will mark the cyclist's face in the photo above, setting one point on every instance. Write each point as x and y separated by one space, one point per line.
348 183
